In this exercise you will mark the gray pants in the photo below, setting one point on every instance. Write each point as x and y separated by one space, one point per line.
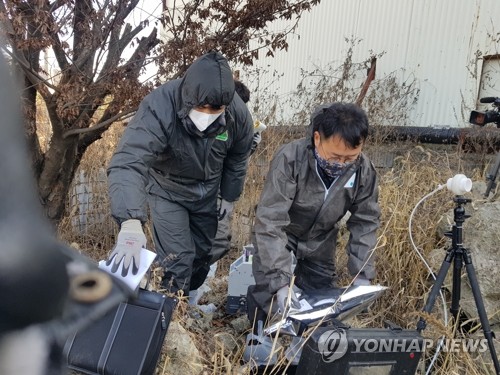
183 232
222 240
312 273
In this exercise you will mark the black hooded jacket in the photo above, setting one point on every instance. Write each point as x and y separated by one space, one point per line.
159 153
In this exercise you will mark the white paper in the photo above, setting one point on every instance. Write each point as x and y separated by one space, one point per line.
131 280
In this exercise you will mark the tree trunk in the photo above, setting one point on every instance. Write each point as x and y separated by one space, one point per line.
94 71
61 161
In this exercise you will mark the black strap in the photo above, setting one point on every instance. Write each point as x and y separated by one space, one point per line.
106 350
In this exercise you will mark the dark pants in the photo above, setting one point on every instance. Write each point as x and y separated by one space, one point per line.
183 233
222 240
312 273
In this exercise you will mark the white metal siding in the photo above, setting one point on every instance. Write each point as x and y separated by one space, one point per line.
434 41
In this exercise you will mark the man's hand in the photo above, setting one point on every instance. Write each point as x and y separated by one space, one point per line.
257 138
225 209
282 298
258 128
131 240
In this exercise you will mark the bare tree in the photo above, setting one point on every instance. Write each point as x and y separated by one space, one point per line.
98 78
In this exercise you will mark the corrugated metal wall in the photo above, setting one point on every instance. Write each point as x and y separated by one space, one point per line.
434 41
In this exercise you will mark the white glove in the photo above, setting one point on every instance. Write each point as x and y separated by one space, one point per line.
361 281
282 298
130 241
258 128
225 208
257 138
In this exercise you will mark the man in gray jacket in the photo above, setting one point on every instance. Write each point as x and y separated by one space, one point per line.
311 184
189 137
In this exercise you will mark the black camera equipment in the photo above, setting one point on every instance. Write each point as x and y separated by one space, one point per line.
486 117
481 119
340 349
460 255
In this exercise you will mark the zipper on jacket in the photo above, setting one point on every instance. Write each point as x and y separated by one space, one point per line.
163 321
205 143
327 190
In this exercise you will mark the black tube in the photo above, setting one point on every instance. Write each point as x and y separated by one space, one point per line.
469 138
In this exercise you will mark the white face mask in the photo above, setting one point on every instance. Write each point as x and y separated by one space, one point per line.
202 120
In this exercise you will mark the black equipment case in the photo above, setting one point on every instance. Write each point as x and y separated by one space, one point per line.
344 350
126 341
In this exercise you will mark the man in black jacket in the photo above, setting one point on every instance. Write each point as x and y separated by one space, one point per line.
189 137
222 240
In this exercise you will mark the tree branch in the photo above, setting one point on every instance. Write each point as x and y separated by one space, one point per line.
56 5
370 77
35 78
84 39
137 60
56 43
116 49
114 26
120 116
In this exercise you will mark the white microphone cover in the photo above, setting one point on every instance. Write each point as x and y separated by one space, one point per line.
459 184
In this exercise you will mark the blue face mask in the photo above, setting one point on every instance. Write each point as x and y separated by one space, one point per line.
332 170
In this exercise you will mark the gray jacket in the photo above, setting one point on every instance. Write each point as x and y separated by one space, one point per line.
295 208
157 154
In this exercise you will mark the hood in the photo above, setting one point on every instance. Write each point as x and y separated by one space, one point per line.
209 80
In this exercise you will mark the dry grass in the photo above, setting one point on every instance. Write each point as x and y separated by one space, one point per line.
416 172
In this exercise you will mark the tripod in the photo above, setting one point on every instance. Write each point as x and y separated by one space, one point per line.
492 176
460 255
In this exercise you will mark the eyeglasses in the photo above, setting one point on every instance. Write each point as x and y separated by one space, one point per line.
339 159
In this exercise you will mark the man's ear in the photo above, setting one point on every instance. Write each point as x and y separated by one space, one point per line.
317 138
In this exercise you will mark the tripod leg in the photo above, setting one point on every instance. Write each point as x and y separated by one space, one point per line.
483 317
456 287
436 288
492 176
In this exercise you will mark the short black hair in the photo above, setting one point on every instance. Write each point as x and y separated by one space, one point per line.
347 120
242 90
